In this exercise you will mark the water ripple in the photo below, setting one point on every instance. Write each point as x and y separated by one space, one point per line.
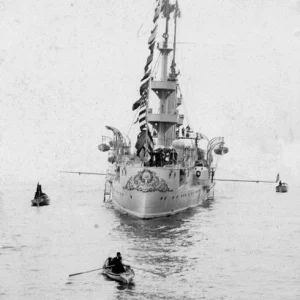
238 247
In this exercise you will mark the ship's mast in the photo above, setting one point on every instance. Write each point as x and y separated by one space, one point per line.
173 66
165 88
165 44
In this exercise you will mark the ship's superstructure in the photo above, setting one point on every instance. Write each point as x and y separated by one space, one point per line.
167 172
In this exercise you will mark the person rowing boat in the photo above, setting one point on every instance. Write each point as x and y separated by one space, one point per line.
116 270
117 265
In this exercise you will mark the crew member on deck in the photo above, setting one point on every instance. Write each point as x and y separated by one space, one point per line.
212 174
182 131
188 129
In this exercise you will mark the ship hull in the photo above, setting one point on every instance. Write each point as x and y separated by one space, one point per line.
148 203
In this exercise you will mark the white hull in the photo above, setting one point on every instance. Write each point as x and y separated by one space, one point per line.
124 278
159 196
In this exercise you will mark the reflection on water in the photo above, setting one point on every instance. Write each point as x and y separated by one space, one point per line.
129 286
159 227
159 243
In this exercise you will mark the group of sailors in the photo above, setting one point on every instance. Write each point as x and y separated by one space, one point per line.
185 132
159 157
162 157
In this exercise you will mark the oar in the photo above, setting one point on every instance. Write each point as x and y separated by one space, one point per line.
159 274
86 173
84 272
241 180
87 271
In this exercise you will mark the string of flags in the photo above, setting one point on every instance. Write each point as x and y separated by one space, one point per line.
159 10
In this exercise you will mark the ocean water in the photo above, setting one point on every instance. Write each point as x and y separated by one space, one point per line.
243 245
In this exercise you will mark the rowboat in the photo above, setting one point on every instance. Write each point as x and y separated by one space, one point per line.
125 277
40 200
283 188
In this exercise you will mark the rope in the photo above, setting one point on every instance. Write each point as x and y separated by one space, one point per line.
133 121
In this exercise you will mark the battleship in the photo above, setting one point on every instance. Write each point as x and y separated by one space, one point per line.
165 171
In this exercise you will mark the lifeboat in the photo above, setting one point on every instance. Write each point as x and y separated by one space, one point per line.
103 147
183 143
221 150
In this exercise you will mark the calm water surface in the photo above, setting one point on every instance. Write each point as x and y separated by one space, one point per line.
243 245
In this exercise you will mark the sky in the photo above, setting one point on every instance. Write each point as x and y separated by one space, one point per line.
68 68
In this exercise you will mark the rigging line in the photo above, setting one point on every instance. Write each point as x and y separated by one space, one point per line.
147 103
148 99
173 65
152 71
147 16
188 43
155 65
187 113
216 164
138 33
132 122
154 68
